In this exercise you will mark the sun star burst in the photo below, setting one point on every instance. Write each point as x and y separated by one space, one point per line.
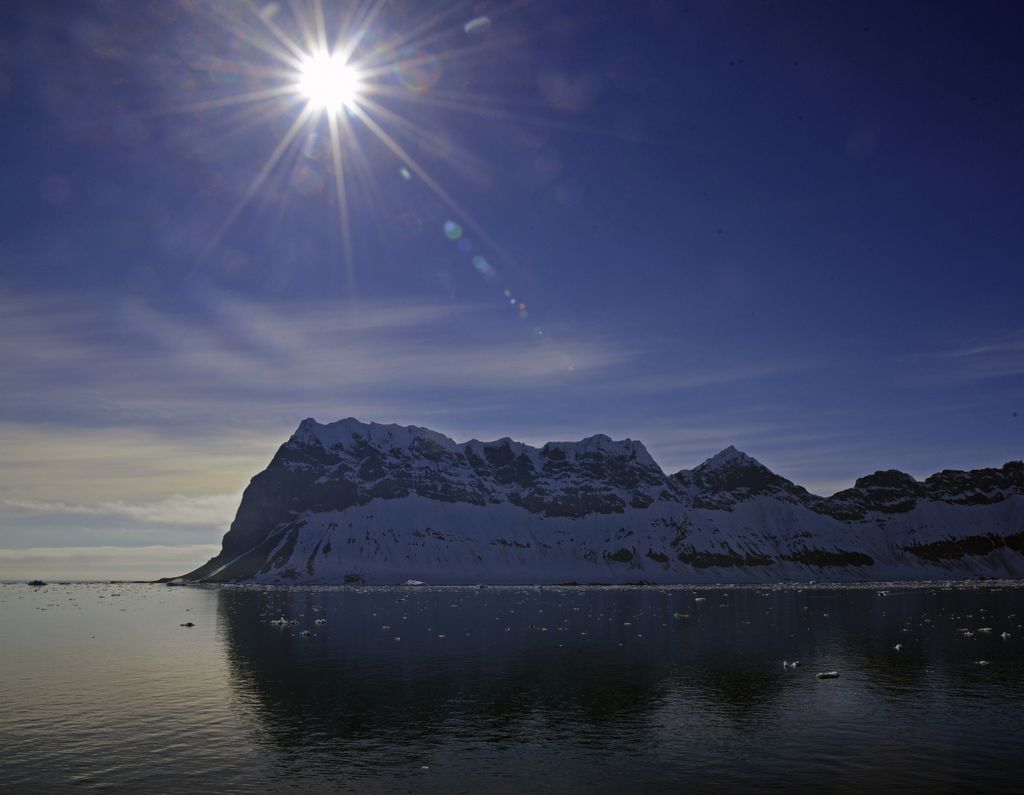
342 71
328 82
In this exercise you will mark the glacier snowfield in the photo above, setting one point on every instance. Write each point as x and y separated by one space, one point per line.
352 502
142 687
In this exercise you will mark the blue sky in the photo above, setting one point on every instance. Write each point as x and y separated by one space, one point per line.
790 227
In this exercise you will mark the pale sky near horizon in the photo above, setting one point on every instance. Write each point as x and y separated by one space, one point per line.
794 228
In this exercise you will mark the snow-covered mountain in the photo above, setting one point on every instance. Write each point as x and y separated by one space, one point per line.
351 502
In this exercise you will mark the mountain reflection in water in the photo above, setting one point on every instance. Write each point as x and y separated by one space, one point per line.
141 688
612 689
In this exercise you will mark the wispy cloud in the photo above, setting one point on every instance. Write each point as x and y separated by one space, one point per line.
1000 357
51 463
102 563
995 358
1007 344
114 362
213 510
697 377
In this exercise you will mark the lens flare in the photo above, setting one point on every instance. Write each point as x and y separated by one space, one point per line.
341 70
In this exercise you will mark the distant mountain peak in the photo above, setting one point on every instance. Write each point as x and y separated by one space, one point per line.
600 442
888 479
730 456
345 432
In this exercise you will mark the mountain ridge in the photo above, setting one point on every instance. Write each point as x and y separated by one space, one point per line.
368 502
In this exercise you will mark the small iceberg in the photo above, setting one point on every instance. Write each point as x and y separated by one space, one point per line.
37 583
187 624
828 675
413 583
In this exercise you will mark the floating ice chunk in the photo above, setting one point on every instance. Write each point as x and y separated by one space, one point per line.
187 624
320 622
1005 635
981 662
898 647
413 583
828 675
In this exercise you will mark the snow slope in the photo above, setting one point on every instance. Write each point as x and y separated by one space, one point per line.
368 503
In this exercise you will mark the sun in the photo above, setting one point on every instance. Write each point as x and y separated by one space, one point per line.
328 82
346 79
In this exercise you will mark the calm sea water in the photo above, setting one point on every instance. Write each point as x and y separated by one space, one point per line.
511 690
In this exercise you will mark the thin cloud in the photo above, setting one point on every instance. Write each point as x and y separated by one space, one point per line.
176 510
1011 344
696 378
62 361
1000 357
56 463
103 563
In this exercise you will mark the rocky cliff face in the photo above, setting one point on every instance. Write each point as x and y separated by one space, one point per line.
355 502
